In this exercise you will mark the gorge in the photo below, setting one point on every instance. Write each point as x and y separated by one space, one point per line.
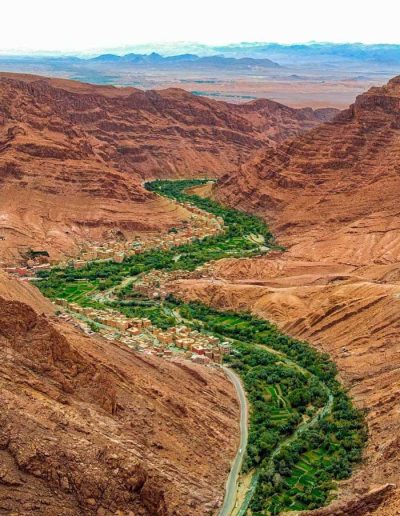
328 191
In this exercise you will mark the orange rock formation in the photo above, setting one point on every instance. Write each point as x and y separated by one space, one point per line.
331 196
90 427
73 156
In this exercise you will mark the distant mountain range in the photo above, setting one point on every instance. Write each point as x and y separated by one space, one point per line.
287 54
283 54
321 74
142 60
192 60
242 54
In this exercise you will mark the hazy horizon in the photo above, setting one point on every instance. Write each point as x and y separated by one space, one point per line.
89 27
175 48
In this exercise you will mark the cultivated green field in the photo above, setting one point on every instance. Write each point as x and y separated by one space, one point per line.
304 432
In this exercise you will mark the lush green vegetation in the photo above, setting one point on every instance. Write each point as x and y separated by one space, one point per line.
232 242
304 432
293 390
239 224
74 284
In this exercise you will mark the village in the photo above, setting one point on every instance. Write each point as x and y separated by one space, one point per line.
141 335
200 225
153 284
32 262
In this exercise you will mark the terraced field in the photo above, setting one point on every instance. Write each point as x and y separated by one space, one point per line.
304 432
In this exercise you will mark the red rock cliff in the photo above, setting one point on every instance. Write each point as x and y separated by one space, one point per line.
89 427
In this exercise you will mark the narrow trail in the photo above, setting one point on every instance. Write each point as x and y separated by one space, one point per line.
322 412
228 507
231 490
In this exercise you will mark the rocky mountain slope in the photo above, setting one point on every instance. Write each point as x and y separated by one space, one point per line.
90 427
73 156
341 172
153 133
331 196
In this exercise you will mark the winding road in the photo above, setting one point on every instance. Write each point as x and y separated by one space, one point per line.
232 482
231 487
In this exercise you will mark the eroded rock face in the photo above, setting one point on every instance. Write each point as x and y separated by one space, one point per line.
73 156
331 196
89 427
337 175
154 133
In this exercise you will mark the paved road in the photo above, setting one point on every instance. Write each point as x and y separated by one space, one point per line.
232 482
321 413
231 486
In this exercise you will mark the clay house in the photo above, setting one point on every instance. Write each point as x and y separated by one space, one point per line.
79 264
200 359
133 331
208 353
225 348
217 357
62 302
185 343
165 338
199 350
18 271
122 324
119 257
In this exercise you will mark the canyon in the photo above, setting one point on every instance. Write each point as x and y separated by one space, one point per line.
79 410
330 196
94 145
73 158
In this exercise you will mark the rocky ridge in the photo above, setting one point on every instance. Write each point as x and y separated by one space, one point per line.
90 427
331 197
73 156
154 133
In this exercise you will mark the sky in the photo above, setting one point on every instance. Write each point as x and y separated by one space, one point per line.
86 25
